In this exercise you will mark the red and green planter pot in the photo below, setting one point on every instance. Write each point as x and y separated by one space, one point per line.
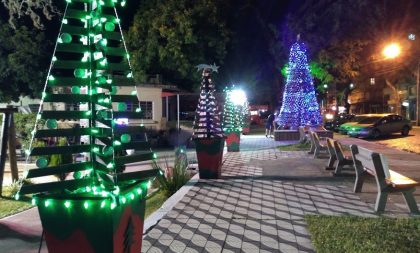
94 224
233 140
210 156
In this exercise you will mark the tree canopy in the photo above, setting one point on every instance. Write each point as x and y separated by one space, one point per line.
171 37
24 58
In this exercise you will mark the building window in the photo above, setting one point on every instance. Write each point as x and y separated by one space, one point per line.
147 109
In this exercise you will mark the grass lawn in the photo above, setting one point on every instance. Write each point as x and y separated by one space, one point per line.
9 205
155 202
356 234
295 147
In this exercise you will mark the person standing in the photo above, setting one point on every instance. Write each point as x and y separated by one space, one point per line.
269 126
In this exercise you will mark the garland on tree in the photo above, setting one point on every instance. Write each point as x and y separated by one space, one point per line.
207 116
299 106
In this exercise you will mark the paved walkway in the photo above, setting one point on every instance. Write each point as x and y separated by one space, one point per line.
258 206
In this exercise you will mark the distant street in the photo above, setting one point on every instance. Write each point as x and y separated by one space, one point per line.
410 143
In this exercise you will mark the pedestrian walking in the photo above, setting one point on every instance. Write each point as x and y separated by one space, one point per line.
269 126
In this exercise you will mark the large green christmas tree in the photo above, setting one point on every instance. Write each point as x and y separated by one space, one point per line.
84 97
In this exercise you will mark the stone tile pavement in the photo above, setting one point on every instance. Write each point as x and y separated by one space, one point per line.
251 210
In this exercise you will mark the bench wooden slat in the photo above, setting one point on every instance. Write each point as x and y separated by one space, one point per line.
397 180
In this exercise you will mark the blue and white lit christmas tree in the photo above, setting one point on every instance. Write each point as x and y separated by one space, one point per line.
300 106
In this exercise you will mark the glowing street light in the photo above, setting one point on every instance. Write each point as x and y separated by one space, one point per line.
238 97
392 50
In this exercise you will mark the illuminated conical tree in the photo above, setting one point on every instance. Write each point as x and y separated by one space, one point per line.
300 106
208 135
207 116
89 69
231 114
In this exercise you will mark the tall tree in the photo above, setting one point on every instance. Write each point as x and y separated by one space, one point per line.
344 34
171 37
35 9
23 61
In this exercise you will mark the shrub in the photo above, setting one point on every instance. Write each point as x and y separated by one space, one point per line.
173 178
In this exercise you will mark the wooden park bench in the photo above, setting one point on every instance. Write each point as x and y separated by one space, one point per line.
342 159
367 162
331 152
316 145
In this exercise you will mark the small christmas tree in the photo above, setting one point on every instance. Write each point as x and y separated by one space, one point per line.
207 116
89 210
208 135
232 115
300 106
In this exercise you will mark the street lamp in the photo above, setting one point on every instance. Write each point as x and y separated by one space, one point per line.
391 51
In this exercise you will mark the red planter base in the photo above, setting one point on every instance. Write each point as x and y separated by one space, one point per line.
93 227
233 141
210 156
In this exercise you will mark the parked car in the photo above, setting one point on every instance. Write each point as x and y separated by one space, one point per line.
335 124
344 128
380 124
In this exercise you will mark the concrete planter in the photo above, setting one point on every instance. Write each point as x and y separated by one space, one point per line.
209 156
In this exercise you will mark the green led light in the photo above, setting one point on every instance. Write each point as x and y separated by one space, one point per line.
47 203
160 172
132 196
27 152
130 75
88 189
128 56
67 204
94 131
117 143
123 3
103 19
123 200
113 205
103 204
54 58
139 191
154 156
117 20
68 1
88 113
101 2
33 201
107 100
44 94
149 184
39 116
134 92
51 78
65 21
110 165
17 196
88 17
103 62
86 205
109 81
138 109
95 149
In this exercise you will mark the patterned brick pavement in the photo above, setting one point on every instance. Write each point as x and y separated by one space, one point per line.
250 215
